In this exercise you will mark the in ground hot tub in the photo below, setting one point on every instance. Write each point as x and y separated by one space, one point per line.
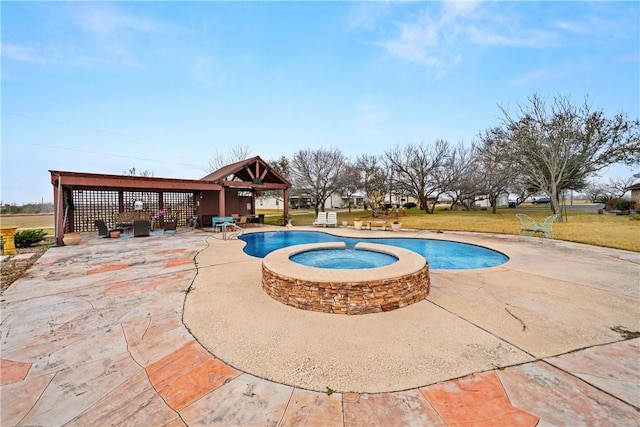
344 258
346 291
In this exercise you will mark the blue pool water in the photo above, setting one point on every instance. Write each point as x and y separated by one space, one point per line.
441 254
350 259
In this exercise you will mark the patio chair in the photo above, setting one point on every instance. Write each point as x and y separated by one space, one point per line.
332 219
170 226
547 226
530 227
141 228
321 220
103 230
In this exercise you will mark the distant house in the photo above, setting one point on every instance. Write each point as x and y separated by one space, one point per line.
483 201
635 193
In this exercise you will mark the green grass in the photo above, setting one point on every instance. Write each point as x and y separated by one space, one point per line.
614 231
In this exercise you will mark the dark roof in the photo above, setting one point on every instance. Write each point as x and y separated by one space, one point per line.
635 186
254 170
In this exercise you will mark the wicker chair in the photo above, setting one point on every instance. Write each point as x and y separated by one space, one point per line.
103 230
141 228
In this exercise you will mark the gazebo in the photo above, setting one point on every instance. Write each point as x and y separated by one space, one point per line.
81 198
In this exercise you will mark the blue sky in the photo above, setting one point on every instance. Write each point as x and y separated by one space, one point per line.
164 86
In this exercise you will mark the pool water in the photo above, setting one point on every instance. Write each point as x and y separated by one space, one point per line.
349 259
441 254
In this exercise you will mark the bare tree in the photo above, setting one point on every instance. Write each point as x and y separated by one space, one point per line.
615 188
416 166
371 175
133 172
521 188
456 177
498 172
317 173
618 186
350 182
237 153
560 146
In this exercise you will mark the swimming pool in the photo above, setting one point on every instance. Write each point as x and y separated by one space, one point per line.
441 254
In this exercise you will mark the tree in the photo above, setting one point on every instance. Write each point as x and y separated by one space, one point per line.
559 147
372 177
281 166
350 182
415 166
457 176
498 172
133 172
237 153
317 173
616 188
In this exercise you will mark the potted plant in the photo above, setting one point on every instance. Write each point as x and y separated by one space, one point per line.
396 225
71 238
357 223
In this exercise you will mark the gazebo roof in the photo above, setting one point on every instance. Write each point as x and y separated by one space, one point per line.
248 173
106 182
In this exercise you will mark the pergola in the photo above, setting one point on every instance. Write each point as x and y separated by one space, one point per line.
80 198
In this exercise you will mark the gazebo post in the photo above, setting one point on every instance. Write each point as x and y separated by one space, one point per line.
221 202
285 206
57 202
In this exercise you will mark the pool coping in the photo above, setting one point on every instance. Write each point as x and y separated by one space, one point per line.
279 262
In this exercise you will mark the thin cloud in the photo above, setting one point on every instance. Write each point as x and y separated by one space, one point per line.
106 20
368 15
441 34
94 35
532 76
23 53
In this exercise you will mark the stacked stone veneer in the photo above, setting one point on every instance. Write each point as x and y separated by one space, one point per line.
354 293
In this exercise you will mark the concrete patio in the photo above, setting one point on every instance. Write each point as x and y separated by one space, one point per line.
175 330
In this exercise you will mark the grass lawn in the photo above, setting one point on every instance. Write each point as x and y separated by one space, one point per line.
25 221
614 231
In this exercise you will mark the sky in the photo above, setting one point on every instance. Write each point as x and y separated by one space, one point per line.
167 87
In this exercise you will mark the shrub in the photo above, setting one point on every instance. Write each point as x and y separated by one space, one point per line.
29 238
409 205
625 204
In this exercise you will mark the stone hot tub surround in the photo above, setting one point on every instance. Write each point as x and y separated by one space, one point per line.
342 291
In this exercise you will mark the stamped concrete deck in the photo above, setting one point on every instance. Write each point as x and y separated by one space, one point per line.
94 335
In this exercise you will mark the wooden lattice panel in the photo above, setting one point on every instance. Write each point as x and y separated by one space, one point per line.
83 207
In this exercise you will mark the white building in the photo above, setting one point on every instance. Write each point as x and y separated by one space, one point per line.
483 201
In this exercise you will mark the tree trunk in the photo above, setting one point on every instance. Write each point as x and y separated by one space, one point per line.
493 201
555 207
